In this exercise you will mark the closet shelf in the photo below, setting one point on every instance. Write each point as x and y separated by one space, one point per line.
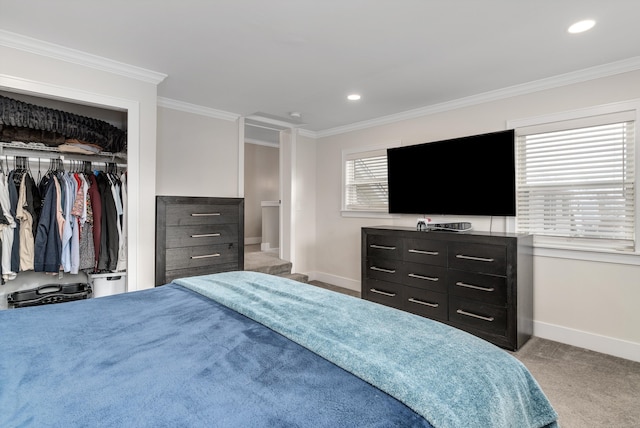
47 152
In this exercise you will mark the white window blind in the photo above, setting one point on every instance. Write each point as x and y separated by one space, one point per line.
365 181
578 185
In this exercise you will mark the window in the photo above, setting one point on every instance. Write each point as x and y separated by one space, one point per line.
365 181
576 182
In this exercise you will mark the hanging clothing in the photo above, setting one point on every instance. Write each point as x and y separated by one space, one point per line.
69 188
96 205
6 230
109 236
87 249
25 219
122 249
33 201
48 242
13 182
67 222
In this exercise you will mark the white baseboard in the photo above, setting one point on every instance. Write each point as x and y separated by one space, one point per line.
265 246
251 241
340 281
595 342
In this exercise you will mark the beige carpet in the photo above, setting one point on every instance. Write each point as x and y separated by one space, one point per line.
587 389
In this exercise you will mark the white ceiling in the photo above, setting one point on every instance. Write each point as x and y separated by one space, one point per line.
280 56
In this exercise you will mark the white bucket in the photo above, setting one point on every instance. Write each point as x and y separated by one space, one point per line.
108 284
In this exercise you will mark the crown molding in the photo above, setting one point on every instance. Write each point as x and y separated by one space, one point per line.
40 47
196 109
307 133
592 73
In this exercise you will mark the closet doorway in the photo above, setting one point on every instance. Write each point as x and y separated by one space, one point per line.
22 151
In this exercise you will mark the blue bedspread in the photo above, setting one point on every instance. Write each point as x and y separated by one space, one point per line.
170 357
450 377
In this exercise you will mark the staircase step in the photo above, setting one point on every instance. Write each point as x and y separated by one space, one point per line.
272 269
300 277
266 263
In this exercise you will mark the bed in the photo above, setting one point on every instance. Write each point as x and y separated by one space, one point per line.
245 349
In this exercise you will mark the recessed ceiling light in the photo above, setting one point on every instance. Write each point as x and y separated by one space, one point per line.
582 26
353 97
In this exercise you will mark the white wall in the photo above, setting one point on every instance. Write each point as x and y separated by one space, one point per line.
197 155
54 78
589 304
305 205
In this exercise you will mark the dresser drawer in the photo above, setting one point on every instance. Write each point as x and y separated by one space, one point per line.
425 276
205 234
170 275
476 286
195 214
425 303
480 316
483 258
385 293
425 251
384 247
207 255
384 270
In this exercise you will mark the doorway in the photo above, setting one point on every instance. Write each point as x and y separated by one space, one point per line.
262 188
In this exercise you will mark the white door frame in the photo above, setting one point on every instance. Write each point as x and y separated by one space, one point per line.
132 107
287 173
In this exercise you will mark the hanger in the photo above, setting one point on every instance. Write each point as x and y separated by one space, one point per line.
112 168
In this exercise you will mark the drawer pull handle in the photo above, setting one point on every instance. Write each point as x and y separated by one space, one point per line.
384 293
477 259
426 278
475 287
469 314
420 302
383 270
382 247
206 256
205 235
204 214
428 253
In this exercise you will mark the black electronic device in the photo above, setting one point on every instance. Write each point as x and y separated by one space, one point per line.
472 175
462 226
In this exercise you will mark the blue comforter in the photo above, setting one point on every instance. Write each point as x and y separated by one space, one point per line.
170 357
448 376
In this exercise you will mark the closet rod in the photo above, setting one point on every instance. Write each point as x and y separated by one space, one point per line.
45 152
96 164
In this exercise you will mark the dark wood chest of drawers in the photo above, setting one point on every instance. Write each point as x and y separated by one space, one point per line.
479 282
198 236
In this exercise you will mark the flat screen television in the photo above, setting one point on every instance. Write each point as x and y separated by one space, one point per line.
464 176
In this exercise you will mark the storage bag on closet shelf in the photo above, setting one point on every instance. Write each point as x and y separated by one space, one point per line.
18 117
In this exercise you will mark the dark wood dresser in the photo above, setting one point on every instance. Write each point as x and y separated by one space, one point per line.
198 236
479 282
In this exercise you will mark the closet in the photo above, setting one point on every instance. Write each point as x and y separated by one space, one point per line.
63 195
